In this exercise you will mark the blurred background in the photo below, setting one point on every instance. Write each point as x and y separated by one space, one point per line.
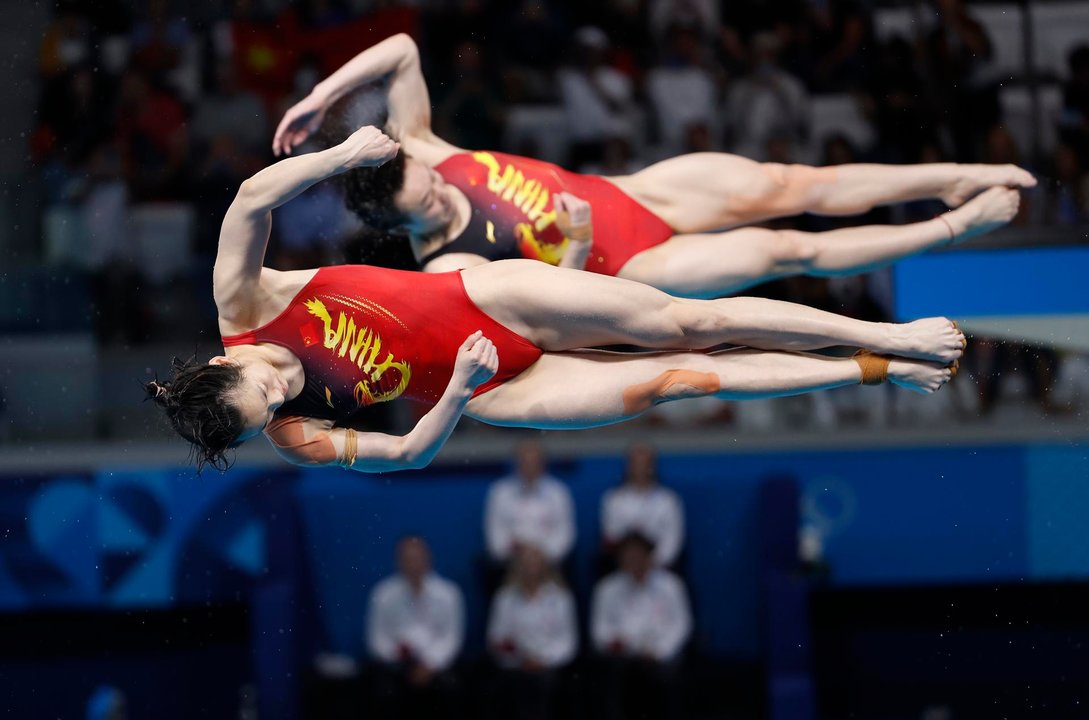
859 553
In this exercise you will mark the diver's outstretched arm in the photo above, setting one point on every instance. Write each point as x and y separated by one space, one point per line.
305 441
246 226
396 62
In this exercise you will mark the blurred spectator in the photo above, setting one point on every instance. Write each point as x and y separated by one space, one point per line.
640 622
832 50
230 120
415 626
641 505
633 45
960 59
618 160
745 19
895 90
159 39
153 138
74 115
597 98
749 17
767 103
230 132
265 41
697 138
1068 197
532 634
1072 386
1075 117
469 113
66 43
104 199
445 25
681 90
529 507
531 45
535 34
838 150
700 17
781 149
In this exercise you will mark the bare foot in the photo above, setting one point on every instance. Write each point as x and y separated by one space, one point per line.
977 177
936 339
990 210
918 375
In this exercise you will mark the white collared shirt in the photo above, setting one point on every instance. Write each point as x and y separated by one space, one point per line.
430 624
541 515
543 628
656 512
649 618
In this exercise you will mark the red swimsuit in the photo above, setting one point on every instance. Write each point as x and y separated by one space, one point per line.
513 214
367 335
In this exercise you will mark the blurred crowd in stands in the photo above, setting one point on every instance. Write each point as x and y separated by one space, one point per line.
637 621
150 114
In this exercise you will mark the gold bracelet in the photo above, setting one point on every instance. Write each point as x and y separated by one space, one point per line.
348 460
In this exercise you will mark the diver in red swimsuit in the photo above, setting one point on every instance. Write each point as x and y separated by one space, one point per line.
363 337
513 213
663 225
504 342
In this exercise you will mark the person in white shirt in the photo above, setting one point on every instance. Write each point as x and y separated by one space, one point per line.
532 634
529 507
640 622
767 104
682 90
415 630
598 99
642 505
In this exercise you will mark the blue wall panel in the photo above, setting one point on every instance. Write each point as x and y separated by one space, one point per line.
133 538
911 516
922 515
988 283
1058 511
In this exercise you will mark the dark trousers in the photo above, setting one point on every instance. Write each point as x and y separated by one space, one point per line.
332 698
639 689
521 695
393 696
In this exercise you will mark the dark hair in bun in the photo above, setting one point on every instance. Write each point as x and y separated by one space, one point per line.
370 192
195 403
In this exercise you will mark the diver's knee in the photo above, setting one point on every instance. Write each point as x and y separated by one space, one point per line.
791 186
693 324
793 251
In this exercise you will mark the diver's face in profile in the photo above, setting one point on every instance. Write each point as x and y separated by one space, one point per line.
261 391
